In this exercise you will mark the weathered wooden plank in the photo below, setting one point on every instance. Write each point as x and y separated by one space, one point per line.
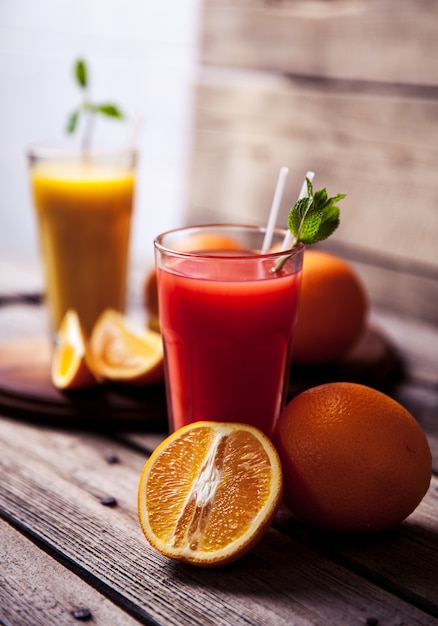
418 390
415 341
381 152
364 146
418 568
52 483
35 589
422 402
417 344
144 442
408 289
375 40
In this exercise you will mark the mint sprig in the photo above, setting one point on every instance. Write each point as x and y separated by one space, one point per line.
88 109
312 218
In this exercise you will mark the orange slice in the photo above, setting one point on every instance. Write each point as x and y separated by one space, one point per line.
124 353
209 492
71 360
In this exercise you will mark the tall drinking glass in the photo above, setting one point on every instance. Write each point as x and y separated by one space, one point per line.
84 204
227 320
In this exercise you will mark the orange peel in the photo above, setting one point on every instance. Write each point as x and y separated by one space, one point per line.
71 366
125 353
209 492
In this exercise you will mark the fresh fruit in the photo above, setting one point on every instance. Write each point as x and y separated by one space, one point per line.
332 309
194 243
124 353
353 459
71 359
209 492
150 300
204 242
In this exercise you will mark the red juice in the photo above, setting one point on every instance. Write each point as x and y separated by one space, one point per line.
227 326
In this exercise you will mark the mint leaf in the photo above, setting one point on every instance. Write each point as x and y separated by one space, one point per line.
110 110
297 215
314 217
81 73
304 220
89 109
73 121
329 222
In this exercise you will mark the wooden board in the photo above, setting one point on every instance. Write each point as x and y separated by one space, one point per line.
346 88
373 361
380 151
373 149
367 40
52 485
25 564
26 391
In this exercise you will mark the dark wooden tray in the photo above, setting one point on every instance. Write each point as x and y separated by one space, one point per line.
373 361
27 392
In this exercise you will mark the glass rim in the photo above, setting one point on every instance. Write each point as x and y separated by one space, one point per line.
51 150
292 250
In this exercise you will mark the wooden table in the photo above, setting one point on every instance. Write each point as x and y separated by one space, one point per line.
72 548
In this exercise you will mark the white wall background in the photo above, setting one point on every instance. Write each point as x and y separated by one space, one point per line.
142 54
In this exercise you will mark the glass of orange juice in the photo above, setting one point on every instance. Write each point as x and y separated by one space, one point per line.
84 205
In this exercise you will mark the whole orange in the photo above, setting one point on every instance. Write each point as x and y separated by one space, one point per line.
332 309
354 459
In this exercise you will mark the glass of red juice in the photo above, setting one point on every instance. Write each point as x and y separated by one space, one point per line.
227 320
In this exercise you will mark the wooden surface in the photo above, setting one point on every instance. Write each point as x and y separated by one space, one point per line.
62 550
347 89
368 40
26 390
372 148
51 493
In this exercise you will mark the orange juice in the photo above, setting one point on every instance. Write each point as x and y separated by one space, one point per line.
84 210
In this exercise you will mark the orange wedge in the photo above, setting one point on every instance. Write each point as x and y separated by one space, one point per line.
209 492
124 353
71 360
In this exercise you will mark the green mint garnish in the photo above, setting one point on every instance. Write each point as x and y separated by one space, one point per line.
312 218
87 108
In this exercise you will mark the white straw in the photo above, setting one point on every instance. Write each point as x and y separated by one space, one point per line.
288 239
274 209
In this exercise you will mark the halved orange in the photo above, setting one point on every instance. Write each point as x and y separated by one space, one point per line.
209 492
71 359
126 353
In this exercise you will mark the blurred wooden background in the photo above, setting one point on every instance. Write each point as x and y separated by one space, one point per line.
347 88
